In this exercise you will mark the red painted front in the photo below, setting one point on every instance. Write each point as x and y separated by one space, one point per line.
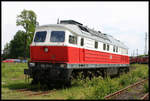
54 54
73 55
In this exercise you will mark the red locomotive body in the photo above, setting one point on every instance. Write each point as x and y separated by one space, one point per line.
73 55
63 49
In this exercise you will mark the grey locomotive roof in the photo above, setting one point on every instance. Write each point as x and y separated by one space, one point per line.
70 22
79 29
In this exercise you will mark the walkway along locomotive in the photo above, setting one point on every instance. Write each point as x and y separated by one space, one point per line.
59 51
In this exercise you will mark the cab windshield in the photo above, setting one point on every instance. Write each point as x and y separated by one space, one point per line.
40 36
57 36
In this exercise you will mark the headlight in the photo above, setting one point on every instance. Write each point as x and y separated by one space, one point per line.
32 64
46 49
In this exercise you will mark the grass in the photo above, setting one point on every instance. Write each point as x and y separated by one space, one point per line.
13 78
146 88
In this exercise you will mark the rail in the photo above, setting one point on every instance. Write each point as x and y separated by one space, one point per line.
35 93
124 89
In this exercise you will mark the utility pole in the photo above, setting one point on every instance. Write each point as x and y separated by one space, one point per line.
145 44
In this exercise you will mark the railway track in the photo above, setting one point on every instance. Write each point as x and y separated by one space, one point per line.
134 91
145 97
28 92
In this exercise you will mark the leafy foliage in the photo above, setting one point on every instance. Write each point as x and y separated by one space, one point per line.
27 19
19 45
6 51
146 88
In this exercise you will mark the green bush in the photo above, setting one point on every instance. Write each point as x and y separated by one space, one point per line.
133 77
100 87
124 80
93 82
112 85
79 81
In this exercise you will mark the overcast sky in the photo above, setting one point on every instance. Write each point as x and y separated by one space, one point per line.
126 21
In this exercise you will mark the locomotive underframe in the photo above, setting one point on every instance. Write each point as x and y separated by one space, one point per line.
54 73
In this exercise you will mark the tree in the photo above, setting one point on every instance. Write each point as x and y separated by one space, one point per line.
27 19
6 51
17 45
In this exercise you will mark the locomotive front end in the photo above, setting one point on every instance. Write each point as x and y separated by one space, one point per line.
48 56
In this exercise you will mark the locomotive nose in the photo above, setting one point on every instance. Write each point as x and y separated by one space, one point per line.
49 53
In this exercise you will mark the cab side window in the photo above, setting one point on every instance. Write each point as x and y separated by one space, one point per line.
104 46
107 47
116 49
113 48
96 44
82 41
72 39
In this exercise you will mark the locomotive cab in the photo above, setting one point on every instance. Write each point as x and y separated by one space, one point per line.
50 46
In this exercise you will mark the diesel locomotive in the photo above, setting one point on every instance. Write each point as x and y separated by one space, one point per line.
60 51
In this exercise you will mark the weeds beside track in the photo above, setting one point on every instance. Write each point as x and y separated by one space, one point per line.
128 94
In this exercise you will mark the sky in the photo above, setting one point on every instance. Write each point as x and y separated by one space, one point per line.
125 21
